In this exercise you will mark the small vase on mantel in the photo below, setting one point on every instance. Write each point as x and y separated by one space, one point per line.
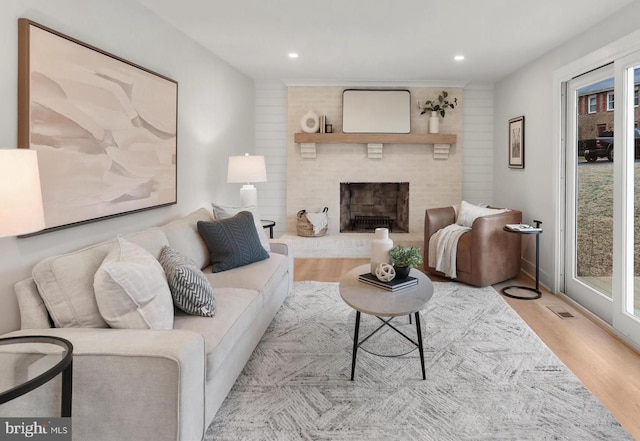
434 123
380 246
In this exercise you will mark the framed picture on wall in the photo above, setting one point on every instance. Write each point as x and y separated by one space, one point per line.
516 142
105 128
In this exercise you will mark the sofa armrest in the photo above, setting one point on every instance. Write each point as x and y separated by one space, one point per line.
284 247
281 246
130 384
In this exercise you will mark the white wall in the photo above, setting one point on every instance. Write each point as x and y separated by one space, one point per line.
215 118
530 92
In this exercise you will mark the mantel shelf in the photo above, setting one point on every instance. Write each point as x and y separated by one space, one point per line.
441 141
375 138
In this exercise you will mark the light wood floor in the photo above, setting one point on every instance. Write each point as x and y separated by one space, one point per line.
607 367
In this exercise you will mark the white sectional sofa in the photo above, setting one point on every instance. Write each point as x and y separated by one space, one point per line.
140 384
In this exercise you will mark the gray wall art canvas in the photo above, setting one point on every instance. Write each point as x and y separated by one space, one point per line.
105 129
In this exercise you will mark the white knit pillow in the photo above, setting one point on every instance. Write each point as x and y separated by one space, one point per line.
131 289
469 212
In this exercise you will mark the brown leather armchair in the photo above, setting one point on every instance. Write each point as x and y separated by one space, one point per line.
487 254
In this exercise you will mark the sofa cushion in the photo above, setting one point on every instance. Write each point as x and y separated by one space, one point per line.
222 333
255 276
225 212
131 289
469 212
232 242
189 287
65 282
183 236
33 311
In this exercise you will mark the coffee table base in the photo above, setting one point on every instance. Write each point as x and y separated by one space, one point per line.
386 322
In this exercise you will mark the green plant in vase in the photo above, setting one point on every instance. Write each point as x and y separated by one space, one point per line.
439 105
405 258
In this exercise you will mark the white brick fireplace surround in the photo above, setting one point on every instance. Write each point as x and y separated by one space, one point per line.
313 183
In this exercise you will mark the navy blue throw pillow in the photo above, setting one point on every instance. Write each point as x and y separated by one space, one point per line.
232 242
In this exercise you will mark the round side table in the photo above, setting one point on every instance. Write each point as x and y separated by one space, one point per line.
57 362
536 290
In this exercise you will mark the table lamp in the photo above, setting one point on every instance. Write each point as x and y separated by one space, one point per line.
247 169
21 210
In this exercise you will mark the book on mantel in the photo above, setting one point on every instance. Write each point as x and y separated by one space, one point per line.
393 285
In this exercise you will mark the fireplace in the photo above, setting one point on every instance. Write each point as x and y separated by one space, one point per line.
365 206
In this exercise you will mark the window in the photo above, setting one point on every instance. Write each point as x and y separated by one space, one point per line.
602 130
610 101
593 104
635 97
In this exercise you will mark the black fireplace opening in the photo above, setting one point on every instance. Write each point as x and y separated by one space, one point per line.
365 206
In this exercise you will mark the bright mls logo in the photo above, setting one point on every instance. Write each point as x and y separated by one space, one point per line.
41 429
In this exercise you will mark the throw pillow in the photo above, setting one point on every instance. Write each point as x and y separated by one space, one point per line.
232 242
469 212
190 289
225 212
131 289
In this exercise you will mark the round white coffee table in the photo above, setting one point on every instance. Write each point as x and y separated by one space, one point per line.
385 304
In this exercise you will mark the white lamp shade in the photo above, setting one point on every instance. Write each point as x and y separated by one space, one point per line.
246 169
21 209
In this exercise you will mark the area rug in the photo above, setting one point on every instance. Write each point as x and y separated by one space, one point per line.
489 377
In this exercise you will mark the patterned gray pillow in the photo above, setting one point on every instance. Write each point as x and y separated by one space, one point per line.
190 289
232 242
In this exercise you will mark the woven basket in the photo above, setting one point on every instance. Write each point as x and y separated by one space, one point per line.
305 228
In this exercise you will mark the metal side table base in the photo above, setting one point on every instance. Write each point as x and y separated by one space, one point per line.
536 290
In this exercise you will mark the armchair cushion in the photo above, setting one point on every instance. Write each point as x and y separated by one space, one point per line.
469 212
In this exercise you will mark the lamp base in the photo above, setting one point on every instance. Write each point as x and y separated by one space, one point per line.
249 195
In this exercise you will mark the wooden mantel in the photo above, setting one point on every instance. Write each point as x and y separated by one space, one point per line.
441 142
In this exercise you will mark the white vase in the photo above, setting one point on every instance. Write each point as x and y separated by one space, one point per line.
380 246
434 123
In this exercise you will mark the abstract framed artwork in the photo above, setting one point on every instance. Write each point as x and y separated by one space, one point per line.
516 142
105 129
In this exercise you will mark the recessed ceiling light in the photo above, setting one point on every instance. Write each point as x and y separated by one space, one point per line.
459 57
293 55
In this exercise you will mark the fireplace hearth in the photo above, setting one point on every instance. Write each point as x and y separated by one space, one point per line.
365 206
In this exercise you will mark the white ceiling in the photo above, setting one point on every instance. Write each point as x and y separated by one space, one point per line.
382 40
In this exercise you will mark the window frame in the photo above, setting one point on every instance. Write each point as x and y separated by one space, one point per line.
611 103
595 104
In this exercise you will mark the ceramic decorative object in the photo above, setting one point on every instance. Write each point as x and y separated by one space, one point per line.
434 123
380 246
385 272
402 272
310 122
